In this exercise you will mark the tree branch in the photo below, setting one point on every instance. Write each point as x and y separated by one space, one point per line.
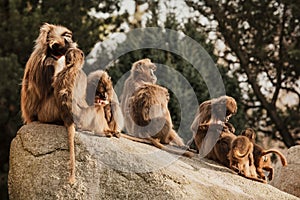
279 63
229 36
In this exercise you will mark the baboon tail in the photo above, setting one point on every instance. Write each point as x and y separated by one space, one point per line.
71 135
282 157
136 139
159 145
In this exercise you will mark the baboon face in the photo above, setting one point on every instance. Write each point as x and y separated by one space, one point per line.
104 91
59 39
143 70
74 55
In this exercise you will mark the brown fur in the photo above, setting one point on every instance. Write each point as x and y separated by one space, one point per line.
37 96
217 110
152 124
241 155
220 150
141 72
68 107
241 158
37 93
111 114
100 88
262 159
212 112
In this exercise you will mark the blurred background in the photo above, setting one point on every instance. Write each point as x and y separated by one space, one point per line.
255 44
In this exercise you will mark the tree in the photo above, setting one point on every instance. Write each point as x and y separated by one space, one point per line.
264 36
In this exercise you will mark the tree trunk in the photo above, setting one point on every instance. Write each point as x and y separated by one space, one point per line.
244 63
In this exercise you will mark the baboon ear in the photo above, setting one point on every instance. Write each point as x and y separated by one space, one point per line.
249 133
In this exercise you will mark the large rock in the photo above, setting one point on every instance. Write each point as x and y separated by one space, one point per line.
288 178
112 168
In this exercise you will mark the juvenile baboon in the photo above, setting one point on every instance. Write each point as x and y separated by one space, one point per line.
37 93
214 111
148 108
262 159
141 72
241 156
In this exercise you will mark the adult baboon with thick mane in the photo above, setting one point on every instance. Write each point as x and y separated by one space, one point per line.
152 123
38 102
142 71
54 89
37 91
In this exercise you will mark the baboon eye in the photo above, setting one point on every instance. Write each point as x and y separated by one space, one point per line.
265 158
153 67
68 35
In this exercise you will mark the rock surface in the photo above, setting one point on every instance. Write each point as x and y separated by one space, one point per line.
288 178
112 168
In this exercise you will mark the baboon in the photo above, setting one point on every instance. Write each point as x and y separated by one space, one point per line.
152 124
217 110
214 111
100 92
241 157
37 93
141 72
262 159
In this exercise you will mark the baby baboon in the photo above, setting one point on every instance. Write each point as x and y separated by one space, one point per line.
241 158
148 108
262 159
141 72
37 93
